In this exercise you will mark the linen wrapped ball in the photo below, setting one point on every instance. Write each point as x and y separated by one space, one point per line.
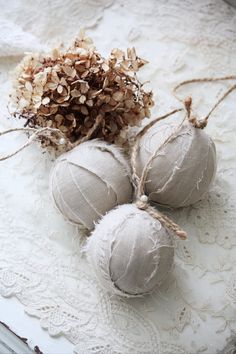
184 168
90 180
130 251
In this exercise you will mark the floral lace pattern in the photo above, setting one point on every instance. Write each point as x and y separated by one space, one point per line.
41 262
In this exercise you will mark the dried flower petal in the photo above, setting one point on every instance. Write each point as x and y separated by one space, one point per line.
82 99
46 100
118 96
59 88
69 71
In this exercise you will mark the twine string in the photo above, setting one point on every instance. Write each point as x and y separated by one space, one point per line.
202 123
135 149
147 167
49 133
139 182
36 133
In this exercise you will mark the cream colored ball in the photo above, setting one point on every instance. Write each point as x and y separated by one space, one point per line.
90 180
184 168
130 251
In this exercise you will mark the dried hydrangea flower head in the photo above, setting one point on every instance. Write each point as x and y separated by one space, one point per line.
74 89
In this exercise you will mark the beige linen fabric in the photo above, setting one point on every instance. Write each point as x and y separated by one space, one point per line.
90 180
184 168
130 251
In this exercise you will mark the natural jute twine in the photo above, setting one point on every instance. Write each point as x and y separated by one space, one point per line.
202 123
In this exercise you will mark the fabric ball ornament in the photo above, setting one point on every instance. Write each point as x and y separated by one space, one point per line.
90 180
183 169
130 251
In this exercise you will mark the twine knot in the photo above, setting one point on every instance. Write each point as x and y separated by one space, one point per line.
199 124
196 123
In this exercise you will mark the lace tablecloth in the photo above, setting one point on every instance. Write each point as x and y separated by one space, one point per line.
40 259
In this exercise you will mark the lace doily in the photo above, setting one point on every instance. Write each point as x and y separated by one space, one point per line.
40 254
